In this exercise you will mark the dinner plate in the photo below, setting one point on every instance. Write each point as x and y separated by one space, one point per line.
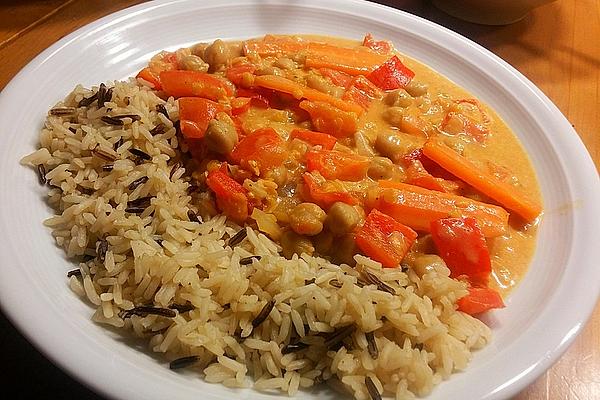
542 316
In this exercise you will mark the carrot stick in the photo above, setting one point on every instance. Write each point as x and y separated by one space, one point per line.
298 91
418 207
354 61
504 193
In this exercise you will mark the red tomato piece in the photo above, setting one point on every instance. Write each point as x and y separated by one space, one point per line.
326 118
314 138
462 246
323 198
260 150
480 299
334 164
195 84
231 196
195 113
391 75
384 239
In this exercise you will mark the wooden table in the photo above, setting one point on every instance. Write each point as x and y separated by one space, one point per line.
557 46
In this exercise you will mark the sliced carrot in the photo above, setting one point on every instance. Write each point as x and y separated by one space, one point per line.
504 193
417 175
334 164
235 73
314 138
331 120
418 207
272 45
195 84
356 61
337 77
302 92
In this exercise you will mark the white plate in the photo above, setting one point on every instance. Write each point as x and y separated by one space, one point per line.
541 318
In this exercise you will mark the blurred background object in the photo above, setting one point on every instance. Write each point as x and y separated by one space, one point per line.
489 12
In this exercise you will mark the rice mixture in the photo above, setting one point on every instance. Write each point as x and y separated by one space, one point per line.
218 297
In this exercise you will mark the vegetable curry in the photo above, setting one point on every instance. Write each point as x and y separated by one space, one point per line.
336 147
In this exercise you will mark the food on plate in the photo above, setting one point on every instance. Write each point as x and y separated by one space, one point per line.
292 210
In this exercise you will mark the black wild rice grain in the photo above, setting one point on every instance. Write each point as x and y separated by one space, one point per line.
335 283
135 210
248 260
133 117
86 101
72 129
142 311
118 144
141 154
373 391
238 237
74 272
140 181
103 154
41 174
374 279
263 314
161 109
372 345
177 126
101 95
193 217
107 119
192 188
183 362
85 190
174 168
181 308
107 167
309 281
292 348
159 128
108 96
101 248
62 111
338 335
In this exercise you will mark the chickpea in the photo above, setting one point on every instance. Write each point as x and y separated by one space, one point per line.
292 243
394 115
416 89
285 63
342 218
219 53
307 219
389 145
194 63
198 49
398 98
220 137
423 263
278 175
380 168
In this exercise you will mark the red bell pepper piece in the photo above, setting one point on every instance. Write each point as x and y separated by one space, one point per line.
384 239
417 175
314 138
195 113
231 196
334 164
260 150
338 78
150 76
195 84
480 299
391 75
235 73
378 46
325 199
362 91
329 119
462 246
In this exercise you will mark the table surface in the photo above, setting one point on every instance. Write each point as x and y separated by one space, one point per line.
557 47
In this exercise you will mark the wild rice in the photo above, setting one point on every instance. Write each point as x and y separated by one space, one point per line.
234 306
183 362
